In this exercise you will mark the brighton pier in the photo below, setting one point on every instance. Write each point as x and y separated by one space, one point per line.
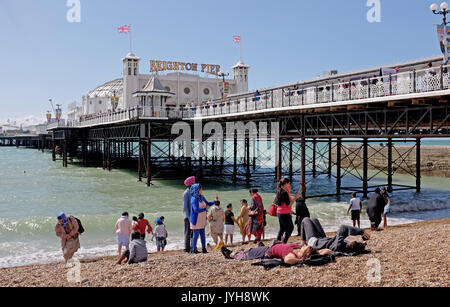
308 125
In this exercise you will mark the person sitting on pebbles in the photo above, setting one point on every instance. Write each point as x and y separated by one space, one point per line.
290 253
138 250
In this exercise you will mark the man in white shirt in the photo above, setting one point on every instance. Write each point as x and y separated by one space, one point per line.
356 208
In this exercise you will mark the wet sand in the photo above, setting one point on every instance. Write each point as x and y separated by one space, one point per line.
409 255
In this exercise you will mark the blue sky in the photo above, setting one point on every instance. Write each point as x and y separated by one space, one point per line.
44 56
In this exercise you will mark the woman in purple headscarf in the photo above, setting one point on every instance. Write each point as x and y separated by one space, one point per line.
199 206
67 229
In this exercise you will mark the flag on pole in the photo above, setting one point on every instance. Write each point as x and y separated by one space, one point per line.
237 40
125 29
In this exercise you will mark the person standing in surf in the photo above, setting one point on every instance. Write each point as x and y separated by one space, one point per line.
67 229
387 208
255 225
189 182
198 221
284 201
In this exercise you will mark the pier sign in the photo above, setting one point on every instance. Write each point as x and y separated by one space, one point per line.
169 65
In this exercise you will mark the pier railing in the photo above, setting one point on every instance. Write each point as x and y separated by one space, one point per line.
307 94
415 81
106 118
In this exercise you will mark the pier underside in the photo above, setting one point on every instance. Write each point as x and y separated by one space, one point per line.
364 142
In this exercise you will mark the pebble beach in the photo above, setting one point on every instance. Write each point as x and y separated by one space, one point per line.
412 255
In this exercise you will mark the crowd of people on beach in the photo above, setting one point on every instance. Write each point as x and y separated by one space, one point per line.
251 221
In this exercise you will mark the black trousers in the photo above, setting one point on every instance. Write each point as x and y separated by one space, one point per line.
286 227
187 235
311 228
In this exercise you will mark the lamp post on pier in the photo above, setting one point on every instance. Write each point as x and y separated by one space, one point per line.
444 11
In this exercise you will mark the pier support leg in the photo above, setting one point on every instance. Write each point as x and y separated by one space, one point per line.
53 151
418 174
104 154
330 158
149 154
235 158
338 166
109 156
303 169
365 169
389 166
279 158
247 148
290 160
314 145
254 153
140 161
65 153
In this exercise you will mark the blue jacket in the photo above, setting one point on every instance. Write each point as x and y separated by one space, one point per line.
196 198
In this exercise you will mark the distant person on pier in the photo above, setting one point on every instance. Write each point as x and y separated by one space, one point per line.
301 212
138 250
314 235
255 225
144 224
189 182
67 229
216 218
356 209
375 209
243 220
123 231
284 203
197 219
387 208
160 234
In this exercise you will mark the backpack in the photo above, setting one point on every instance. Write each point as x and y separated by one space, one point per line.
80 226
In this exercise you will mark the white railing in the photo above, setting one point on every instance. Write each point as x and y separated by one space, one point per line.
416 81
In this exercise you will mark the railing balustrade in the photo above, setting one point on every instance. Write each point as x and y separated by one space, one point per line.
416 81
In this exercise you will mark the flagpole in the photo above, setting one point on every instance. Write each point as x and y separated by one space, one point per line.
240 47
131 41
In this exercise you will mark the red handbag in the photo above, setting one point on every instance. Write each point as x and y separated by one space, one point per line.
272 210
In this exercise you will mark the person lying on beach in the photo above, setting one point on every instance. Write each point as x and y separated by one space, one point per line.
290 253
313 234
138 250
67 229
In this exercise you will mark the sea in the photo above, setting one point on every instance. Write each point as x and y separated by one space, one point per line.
33 190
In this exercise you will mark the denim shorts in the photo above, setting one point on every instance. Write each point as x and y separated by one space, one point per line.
160 242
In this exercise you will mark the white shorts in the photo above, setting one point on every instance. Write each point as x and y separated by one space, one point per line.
229 229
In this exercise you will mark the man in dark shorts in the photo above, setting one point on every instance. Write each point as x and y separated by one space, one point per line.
356 209
301 211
